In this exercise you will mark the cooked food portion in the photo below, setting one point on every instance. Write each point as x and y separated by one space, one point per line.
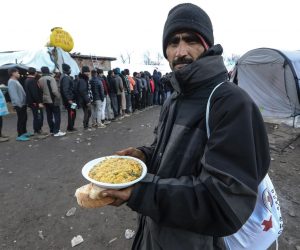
116 171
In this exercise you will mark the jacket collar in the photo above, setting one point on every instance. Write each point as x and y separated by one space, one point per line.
201 73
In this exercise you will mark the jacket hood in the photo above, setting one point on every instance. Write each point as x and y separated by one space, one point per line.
200 74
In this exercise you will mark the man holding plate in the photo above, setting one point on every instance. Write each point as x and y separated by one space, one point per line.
197 189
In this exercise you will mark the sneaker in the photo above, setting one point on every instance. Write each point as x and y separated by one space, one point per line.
107 122
22 138
59 134
3 139
127 115
28 134
101 125
94 125
42 133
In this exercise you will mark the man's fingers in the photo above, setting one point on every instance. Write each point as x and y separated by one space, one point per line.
113 193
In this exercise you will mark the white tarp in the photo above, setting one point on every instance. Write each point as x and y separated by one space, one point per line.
40 58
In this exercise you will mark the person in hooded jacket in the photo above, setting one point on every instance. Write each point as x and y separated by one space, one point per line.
197 189
84 95
69 96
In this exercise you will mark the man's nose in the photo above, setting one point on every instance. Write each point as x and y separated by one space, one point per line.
182 49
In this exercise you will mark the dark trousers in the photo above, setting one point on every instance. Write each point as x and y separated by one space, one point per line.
22 120
132 102
144 99
137 101
119 104
38 118
87 112
53 117
71 117
114 104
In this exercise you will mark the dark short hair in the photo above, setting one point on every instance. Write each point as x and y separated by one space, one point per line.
135 74
126 71
94 72
31 71
99 71
11 71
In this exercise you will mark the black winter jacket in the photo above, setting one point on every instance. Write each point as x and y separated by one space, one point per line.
197 189
34 94
97 89
83 89
67 89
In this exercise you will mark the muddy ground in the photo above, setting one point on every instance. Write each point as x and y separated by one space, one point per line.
38 180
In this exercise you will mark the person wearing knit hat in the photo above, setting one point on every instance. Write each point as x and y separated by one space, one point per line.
69 96
210 149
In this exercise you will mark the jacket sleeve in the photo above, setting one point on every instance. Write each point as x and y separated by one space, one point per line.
221 198
54 88
101 90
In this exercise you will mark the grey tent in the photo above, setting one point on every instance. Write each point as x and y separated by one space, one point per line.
272 78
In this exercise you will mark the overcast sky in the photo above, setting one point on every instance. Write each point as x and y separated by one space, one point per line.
108 28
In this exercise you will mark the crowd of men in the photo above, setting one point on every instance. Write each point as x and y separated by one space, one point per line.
103 99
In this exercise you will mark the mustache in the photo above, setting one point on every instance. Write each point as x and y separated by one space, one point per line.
182 60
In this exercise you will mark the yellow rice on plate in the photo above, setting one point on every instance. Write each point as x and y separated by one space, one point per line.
116 171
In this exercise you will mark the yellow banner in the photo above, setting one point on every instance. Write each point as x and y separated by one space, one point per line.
61 38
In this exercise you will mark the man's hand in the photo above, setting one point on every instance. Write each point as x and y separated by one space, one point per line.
70 101
132 152
41 105
121 196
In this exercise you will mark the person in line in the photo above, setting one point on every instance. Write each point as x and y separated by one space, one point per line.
120 93
18 100
131 86
51 100
98 100
127 93
113 93
156 80
69 96
144 90
137 91
197 189
34 97
3 112
106 111
84 96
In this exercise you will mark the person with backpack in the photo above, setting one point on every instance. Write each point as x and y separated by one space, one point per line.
85 96
69 96
98 100
51 100
200 186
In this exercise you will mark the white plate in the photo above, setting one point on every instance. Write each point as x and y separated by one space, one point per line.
88 166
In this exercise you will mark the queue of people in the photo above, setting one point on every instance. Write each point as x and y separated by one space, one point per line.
103 99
